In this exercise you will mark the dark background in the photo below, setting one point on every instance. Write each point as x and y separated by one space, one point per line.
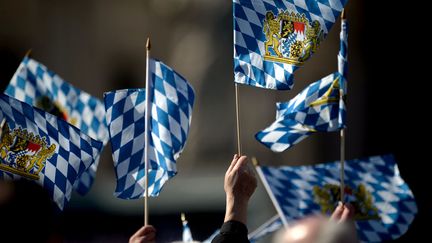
99 46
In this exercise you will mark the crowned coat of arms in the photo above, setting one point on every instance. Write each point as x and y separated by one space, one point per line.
290 37
23 153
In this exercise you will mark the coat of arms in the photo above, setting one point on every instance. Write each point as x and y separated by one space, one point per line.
331 96
54 107
290 37
23 153
362 200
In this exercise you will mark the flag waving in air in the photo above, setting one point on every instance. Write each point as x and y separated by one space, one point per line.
273 224
315 109
318 108
171 115
39 146
343 66
187 234
384 204
272 38
34 84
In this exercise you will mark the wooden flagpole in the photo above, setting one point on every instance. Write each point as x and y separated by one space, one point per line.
28 53
263 226
342 164
238 119
269 192
147 129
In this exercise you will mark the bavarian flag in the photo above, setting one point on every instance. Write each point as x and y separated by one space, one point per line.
273 38
384 204
316 109
41 147
38 86
172 98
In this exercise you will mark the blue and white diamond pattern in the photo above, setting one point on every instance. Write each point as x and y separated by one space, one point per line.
283 134
249 65
171 116
293 189
33 80
343 67
273 224
75 151
298 118
286 44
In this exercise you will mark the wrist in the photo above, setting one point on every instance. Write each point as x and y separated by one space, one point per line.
236 210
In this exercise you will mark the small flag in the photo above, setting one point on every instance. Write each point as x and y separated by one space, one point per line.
320 107
34 84
39 146
343 68
171 117
187 234
272 38
315 109
273 224
384 204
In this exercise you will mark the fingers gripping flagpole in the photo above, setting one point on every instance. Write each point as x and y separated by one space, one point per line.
147 129
342 70
238 119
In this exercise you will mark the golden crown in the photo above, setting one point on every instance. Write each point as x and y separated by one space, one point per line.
293 17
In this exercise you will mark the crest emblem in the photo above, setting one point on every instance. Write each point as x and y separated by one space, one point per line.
331 96
362 200
290 37
23 153
53 107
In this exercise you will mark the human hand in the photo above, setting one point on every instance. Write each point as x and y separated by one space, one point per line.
344 216
147 234
239 185
344 212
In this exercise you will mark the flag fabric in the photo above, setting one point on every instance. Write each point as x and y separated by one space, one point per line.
384 204
34 84
343 68
171 116
187 234
273 224
39 146
272 38
320 107
315 109
211 237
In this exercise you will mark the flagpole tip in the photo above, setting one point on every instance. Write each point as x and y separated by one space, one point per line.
28 53
148 44
343 15
255 161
